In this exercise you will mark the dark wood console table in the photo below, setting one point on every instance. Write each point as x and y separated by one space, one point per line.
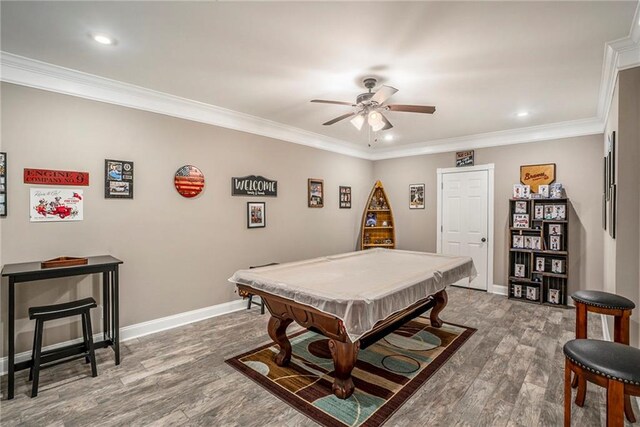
32 271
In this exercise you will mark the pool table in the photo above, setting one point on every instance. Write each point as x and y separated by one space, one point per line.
353 299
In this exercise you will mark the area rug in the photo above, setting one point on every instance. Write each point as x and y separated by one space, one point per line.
386 374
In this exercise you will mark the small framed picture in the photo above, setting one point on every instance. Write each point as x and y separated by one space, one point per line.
532 293
416 196
520 221
557 266
540 264
549 212
560 211
527 242
554 296
555 191
315 193
554 243
535 243
521 207
372 219
345 197
256 215
543 191
518 270
539 212
517 291
555 229
526 191
518 242
518 191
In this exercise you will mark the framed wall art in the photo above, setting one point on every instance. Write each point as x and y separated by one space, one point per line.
315 193
256 215
55 204
3 184
345 197
118 179
416 196
534 175
464 158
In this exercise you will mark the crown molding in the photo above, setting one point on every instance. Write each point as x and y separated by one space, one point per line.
495 139
41 75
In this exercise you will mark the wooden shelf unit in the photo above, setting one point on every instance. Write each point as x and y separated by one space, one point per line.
378 207
537 267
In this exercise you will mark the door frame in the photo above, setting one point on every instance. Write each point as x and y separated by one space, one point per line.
491 287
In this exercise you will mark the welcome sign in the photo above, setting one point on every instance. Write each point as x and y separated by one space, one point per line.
252 185
535 175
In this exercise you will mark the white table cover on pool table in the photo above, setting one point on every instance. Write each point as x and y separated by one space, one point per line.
360 288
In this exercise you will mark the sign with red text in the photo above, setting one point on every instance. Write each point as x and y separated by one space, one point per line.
55 177
534 175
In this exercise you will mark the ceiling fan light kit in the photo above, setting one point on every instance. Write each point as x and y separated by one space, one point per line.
369 107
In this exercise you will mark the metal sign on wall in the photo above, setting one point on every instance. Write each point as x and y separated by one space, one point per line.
464 158
252 185
55 177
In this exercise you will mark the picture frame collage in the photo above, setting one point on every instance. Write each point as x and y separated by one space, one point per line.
3 184
610 190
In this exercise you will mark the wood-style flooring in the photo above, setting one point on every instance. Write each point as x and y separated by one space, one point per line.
509 373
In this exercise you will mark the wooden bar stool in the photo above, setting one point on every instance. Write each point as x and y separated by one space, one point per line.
612 305
611 365
249 296
40 359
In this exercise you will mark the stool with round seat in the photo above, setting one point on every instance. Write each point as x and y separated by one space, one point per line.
611 365
609 304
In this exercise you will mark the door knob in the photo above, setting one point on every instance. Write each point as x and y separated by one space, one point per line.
483 240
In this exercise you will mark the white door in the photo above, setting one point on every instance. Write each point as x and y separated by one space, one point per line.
464 219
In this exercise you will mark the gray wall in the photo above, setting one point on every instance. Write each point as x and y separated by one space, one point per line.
178 252
578 167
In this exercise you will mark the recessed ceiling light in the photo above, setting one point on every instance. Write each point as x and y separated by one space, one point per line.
522 114
103 39
388 137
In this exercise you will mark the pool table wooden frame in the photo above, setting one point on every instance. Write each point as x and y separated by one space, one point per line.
343 351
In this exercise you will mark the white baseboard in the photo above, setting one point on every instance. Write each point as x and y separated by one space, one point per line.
146 328
499 290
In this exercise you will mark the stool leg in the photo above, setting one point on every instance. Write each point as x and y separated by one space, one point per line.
36 357
615 404
581 330
86 317
582 391
85 339
567 393
249 302
33 351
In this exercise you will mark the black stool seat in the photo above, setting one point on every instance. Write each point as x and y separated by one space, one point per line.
58 311
612 360
603 300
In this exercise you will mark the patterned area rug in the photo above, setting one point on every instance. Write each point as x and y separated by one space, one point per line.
386 374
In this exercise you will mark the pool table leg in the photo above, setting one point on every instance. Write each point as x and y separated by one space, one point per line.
441 302
344 356
278 332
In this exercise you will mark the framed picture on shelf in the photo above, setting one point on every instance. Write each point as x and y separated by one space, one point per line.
539 212
256 215
540 264
518 242
543 191
554 243
315 193
555 229
416 196
527 242
555 191
532 293
517 291
535 243
554 296
520 221
550 212
345 197
521 207
518 270
372 219
557 266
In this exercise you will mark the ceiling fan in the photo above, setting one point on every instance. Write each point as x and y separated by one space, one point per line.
370 105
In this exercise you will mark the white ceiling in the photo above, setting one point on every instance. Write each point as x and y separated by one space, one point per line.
478 62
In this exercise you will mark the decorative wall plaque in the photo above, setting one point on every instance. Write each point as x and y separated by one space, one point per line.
118 179
534 175
189 181
55 204
252 185
464 158
55 177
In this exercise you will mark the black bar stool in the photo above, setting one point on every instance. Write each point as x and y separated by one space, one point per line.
249 296
611 305
611 365
50 312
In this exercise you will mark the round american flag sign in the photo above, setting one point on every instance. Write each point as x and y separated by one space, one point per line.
189 181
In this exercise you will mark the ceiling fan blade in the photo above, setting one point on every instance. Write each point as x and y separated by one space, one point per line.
387 123
337 119
412 108
322 101
384 93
